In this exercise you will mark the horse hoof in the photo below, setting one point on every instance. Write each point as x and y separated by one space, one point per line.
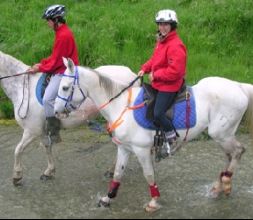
152 206
45 177
17 181
102 203
227 189
108 174
151 209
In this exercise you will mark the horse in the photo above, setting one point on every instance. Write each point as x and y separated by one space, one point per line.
220 106
21 89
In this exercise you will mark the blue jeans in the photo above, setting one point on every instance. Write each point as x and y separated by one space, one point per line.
164 101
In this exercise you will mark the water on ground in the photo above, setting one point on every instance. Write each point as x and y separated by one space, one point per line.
81 161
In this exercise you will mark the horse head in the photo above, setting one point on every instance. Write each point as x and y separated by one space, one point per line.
68 99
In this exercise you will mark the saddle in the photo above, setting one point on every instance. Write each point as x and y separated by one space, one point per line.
150 96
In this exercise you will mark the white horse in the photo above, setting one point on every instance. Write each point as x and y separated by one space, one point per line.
29 113
220 106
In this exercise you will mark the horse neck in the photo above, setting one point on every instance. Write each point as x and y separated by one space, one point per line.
10 66
98 95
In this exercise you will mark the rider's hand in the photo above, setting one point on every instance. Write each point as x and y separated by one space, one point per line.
151 77
33 69
141 73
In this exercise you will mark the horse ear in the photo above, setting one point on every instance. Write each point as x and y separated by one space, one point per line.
65 61
71 65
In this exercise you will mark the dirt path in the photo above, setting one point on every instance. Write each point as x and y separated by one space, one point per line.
81 161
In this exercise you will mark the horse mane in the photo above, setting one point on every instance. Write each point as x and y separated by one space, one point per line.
111 87
12 64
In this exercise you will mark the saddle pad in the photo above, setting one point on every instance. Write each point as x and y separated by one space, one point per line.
40 88
179 117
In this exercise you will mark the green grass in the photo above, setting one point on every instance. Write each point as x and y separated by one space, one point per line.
217 33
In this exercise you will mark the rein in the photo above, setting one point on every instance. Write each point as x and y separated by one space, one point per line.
19 74
76 82
22 101
118 122
123 90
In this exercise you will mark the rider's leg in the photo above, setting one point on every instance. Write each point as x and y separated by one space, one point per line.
163 102
52 123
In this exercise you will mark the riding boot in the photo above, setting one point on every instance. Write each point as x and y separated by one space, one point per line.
52 128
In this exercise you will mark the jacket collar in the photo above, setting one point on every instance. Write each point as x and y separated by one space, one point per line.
170 36
60 28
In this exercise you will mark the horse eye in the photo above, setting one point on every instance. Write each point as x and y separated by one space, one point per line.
65 88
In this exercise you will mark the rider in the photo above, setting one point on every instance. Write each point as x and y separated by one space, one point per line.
167 68
64 46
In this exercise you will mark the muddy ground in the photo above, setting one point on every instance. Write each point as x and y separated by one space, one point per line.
81 161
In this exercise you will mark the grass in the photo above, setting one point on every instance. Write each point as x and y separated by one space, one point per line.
217 33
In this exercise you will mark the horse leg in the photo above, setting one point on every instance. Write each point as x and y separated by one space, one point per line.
122 159
109 172
222 129
234 151
17 170
145 159
50 171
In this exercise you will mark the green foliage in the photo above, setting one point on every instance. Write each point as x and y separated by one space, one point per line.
217 33
6 109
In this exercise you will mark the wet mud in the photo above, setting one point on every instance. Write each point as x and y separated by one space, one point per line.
84 156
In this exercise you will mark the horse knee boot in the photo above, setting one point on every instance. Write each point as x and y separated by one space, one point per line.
53 126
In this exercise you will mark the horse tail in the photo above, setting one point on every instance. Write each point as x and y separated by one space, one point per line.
248 90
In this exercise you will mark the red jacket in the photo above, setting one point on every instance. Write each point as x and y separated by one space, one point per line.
168 64
64 46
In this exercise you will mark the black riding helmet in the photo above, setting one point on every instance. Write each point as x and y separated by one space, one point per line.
54 11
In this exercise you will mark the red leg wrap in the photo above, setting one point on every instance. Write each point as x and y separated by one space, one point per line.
114 186
154 191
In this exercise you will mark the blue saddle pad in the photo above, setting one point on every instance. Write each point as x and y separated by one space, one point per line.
179 115
40 88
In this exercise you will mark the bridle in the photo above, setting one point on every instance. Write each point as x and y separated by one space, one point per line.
70 97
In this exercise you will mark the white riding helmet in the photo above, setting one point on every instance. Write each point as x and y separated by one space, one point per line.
54 11
166 16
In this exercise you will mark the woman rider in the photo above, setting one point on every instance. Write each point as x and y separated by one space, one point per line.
64 46
167 69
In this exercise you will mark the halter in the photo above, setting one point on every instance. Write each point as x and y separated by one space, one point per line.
76 83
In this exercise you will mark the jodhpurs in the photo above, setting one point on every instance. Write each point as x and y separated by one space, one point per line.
51 94
163 102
